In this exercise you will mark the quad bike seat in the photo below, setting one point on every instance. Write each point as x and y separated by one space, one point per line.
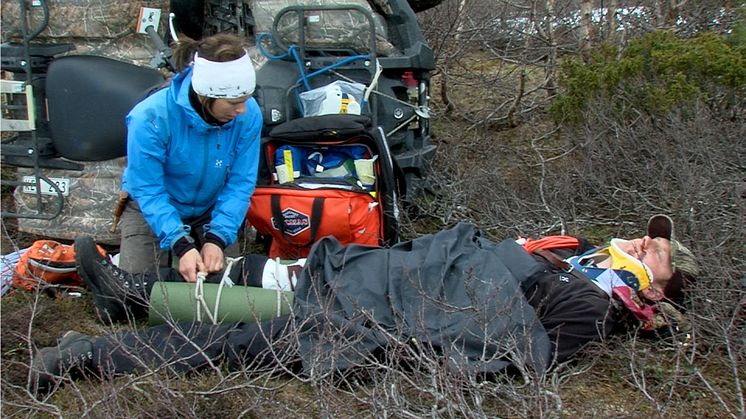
89 98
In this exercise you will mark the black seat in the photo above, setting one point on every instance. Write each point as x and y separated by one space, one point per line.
88 99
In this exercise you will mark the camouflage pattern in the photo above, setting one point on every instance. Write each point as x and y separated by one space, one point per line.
87 209
133 48
107 19
102 27
383 6
334 28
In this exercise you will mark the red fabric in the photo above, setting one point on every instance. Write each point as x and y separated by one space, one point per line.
644 313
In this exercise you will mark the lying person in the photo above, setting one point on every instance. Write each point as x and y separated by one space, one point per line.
482 306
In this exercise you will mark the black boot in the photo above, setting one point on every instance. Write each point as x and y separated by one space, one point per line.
72 357
119 296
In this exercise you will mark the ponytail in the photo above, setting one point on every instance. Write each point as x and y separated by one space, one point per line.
183 54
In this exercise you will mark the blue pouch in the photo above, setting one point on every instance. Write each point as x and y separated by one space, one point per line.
328 162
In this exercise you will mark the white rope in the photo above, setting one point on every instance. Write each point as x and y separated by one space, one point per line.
278 265
379 93
199 291
225 280
278 292
374 82
171 28
277 273
278 288
199 294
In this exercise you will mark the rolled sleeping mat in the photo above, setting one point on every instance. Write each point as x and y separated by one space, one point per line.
177 301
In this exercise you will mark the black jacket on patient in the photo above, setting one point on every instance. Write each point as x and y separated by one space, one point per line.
482 305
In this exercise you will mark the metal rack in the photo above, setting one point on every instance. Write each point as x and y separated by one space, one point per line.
19 116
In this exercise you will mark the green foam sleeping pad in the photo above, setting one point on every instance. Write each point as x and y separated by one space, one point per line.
177 301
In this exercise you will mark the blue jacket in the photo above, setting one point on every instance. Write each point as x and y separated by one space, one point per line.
179 166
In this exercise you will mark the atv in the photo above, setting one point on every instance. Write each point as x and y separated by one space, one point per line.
67 109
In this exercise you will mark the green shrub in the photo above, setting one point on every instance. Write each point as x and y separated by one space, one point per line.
655 74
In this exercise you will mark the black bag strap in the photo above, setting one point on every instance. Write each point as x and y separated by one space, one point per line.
322 127
317 208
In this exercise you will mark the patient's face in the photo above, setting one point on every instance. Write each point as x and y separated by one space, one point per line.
655 254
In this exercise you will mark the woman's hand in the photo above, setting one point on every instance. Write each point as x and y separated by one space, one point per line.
213 257
191 263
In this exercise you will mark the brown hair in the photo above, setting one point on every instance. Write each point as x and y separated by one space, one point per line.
220 47
686 269
677 287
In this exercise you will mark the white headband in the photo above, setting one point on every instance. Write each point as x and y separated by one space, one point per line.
223 80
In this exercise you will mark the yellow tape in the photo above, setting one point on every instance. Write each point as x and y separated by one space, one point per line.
288 156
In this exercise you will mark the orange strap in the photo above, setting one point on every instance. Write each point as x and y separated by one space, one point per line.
551 242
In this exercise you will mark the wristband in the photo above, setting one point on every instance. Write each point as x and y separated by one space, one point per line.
183 245
214 239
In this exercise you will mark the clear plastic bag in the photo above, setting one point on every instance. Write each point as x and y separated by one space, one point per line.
334 98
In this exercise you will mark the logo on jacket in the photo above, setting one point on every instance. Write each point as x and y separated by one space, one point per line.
218 163
295 222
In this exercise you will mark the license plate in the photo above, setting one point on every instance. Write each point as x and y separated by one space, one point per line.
46 189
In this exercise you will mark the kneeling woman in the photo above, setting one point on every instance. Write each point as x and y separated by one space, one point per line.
192 158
